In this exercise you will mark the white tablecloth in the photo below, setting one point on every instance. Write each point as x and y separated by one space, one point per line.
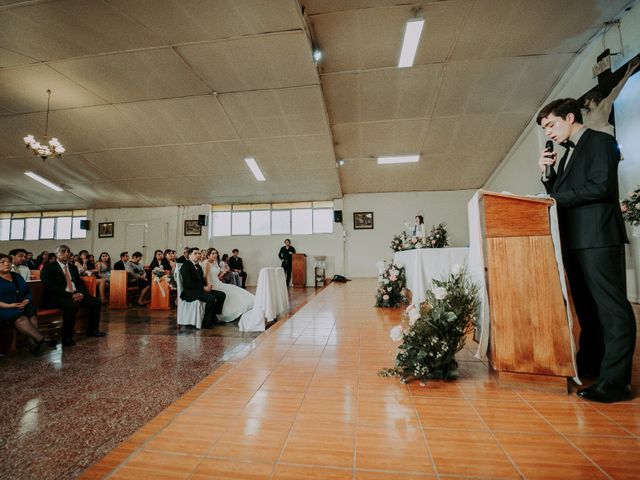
424 264
272 299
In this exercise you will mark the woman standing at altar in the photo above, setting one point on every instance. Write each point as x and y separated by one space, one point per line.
238 300
418 227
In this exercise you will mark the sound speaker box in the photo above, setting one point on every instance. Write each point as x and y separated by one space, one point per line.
84 224
337 216
202 220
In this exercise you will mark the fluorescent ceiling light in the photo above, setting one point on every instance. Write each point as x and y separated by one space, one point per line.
412 34
44 181
255 169
398 159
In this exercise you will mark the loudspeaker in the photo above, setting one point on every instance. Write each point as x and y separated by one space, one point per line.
84 224
337 216
202 220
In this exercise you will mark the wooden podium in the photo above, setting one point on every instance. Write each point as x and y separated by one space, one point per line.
530 341
299 270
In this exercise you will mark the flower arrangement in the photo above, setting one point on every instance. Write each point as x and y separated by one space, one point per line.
391 288
630 207
432 334
437 238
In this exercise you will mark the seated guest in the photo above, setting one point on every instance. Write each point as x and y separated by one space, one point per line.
169 260
63 289
124 258
238 301
194 288
19 258
91 262
51 257
16 308
236 265
31 262
41 259
77 261
103 268
136 271
185 255
228 275
158 257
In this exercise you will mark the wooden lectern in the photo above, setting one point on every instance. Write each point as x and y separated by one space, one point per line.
299 270
530 341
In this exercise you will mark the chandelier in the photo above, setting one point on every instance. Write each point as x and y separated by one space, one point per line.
46 147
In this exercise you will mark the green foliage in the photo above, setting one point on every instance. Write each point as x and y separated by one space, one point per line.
433 335
391 287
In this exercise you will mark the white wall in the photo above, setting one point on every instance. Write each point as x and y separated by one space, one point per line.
390 211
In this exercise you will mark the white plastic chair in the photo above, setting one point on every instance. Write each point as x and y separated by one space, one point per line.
189 313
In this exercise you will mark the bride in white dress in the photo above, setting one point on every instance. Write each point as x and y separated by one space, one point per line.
238 300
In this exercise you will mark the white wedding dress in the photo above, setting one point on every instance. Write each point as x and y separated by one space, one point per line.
238 300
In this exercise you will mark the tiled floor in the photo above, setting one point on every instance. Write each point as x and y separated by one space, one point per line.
305 401
68 408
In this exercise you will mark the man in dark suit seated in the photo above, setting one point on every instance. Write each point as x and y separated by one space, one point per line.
63 289
584 185
235 264
194 288
185 256
124 258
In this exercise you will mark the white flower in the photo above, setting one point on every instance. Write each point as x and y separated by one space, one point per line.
456 269
440 293
394 272
414 315
396 333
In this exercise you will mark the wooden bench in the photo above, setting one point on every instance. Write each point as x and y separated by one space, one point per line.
120 291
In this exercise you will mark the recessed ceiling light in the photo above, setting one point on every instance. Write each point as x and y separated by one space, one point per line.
398 159
255 169
44 181
317 55
412 33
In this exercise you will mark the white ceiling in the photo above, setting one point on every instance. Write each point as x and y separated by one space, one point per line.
159 101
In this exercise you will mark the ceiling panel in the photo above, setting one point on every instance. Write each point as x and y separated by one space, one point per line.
356 140
253 63
24 90
382 94
271 113
181 21
70 28
132 76
12 59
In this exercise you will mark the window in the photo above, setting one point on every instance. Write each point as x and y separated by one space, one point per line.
63 228
220 224
323 220
47 228
260 222
298 218
281 222
17 229
240 223
301 221
76 231
32 229
5 228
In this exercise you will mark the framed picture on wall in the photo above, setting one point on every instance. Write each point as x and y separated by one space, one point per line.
362 220
192 229
105 230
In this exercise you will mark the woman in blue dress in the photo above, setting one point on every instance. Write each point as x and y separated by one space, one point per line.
16 308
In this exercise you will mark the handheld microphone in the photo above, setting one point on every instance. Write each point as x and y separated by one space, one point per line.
548 148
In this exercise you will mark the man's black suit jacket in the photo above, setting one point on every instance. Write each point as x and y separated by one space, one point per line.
54 283
586 192
235 263
192 281
119 265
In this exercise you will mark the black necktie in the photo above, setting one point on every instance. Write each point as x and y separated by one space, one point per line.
568 145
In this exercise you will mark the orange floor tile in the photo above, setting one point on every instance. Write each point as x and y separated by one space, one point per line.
306 403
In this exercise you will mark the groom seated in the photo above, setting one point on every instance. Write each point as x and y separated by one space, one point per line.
194 288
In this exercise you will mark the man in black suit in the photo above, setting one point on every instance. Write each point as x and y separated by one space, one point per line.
124 258
235 264
585 188
63 289
194 288
185 256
